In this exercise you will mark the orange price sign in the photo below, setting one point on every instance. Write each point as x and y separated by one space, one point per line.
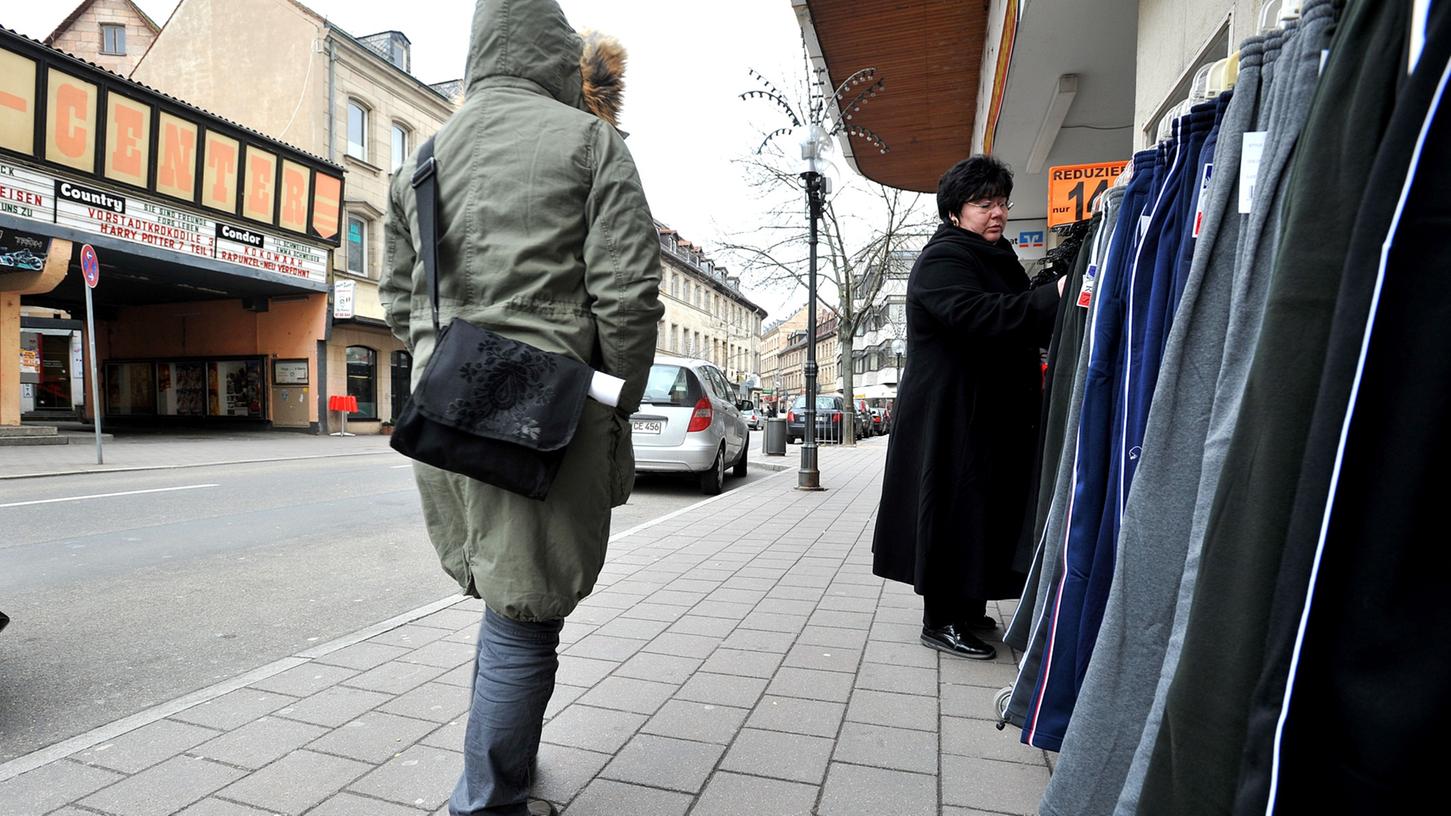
1072 189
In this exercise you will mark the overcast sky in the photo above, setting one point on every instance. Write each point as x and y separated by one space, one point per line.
688 61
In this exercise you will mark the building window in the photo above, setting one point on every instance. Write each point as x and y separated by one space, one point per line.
363 380
357 246
357 130
113 39
400 146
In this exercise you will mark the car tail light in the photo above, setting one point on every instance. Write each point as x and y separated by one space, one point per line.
700 417
790 416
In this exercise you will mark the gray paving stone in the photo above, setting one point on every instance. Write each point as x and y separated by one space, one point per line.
834 636
351 804
583 671
234 708
605 797
563 695
796 757
433 701
798 716
905 654
259 742
629 694
300 681
656 611
976 672
604 647
848 603
422 777
760 640
742 663
982 739
396 677
729 794
637 628
698 625
884 747
813 684
146 746
574 630
461 676
826 658
374 737
295 782
663 762
901 614
659 667
854 790
362 656
897 710
762 585
896 632
676 597
453 619
901 679
774 621
722 609
845 620
1005 787
564 771
744 596
410 636
614 599
442 653
672 643
50 786
974 702
722 689
449 736
206 807
703 722
162 789
594 729
334 706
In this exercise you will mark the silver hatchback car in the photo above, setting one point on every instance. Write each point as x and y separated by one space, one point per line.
690 421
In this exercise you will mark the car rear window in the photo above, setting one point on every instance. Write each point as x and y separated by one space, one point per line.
822 404
671 385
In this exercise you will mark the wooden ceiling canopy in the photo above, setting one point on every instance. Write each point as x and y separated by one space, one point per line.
929 53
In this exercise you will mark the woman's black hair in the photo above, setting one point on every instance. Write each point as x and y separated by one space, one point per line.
972 179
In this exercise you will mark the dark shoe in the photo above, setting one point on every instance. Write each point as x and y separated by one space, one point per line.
539 807
986 623
955 641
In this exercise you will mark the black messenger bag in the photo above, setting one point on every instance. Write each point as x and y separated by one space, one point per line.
486 406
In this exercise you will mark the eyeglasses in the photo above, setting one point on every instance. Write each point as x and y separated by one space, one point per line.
988 205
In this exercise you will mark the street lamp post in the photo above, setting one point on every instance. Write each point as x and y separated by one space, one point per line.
816 135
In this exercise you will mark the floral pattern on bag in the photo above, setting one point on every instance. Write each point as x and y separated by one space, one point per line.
509 382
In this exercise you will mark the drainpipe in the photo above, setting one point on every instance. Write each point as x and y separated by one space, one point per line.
322 346
332 61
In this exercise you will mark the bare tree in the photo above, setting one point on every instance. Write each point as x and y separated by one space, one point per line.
865 228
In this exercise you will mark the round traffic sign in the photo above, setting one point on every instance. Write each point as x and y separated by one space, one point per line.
90 266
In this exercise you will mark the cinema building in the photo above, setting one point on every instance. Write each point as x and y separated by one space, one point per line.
213 240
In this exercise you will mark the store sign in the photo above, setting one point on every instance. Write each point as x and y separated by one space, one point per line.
65 113
343 291
37 196
1072 189
22 251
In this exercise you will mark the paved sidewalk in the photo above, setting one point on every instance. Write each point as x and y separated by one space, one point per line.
738 658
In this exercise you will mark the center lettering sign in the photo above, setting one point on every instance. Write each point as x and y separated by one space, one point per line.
41 197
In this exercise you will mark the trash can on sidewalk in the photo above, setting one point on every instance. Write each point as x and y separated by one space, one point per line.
774 443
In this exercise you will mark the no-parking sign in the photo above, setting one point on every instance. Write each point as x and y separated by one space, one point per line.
90 266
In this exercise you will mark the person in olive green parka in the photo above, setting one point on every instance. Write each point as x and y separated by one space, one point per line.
545 237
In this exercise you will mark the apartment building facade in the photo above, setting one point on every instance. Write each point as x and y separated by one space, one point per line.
706 314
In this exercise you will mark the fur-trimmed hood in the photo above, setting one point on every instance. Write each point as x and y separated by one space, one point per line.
532 39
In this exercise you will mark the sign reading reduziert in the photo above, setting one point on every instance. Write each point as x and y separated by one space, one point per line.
61 112
37 196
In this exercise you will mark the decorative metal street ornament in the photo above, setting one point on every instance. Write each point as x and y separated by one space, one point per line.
826 116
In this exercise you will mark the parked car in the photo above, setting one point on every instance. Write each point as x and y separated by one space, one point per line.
879 424
690 421
829 412
863 419
754 420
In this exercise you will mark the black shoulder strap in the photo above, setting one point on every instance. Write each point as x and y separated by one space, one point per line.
425 188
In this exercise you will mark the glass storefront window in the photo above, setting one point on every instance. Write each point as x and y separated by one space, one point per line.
363 380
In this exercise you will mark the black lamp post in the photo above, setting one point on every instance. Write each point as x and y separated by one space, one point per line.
815 139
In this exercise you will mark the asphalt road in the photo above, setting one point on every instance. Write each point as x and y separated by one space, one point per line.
196 575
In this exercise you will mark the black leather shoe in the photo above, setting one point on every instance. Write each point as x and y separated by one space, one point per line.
955 641
986 623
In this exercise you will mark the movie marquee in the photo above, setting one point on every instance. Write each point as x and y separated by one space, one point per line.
136 165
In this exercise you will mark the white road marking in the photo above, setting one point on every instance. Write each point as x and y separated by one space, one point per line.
108 495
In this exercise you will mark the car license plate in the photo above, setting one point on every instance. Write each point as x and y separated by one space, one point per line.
646 426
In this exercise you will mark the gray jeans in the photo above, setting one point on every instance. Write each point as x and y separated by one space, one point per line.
513 680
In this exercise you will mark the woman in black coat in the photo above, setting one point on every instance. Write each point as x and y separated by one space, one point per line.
959 464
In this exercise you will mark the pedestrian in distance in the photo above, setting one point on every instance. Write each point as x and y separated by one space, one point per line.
545 238
964 430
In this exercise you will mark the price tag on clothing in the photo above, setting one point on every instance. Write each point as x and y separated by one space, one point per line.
1203 194
1090 282
1249 167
